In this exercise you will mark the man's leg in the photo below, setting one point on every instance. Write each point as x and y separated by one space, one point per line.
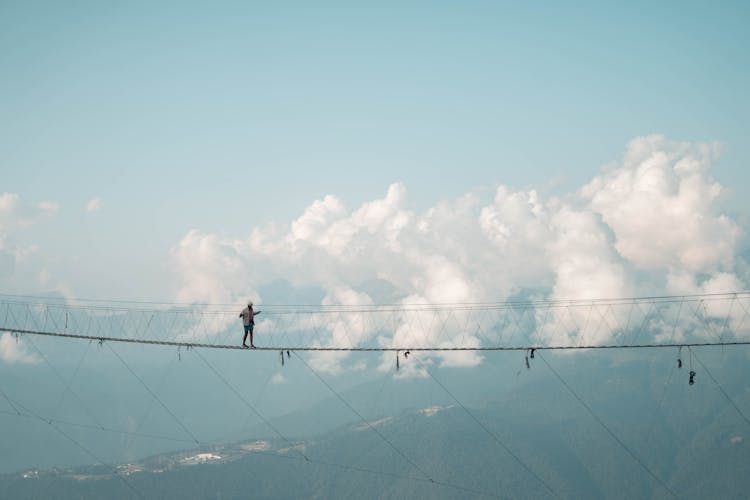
251 336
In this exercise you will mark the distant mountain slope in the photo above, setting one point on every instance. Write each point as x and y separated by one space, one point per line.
690 437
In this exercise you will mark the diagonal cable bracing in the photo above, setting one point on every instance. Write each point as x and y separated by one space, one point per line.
265 420
239 448
10 401
494 436
729 398
153 395
374 429
609 431
248 405
427 477
70 381
83 448
67 387
126 319
96 428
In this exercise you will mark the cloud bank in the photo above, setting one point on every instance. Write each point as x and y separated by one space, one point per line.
13 350
94 205
17 216
650 224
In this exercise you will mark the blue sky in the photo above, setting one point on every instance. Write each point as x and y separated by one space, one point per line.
371 152
223 117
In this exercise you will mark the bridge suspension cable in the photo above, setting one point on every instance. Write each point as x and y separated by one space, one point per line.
689 321
191 345
639 322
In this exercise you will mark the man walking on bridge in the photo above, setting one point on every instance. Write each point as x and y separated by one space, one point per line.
248 317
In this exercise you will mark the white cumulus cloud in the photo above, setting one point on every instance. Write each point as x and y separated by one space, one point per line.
94 205
16 255
12 350
650 224
661 203
16 214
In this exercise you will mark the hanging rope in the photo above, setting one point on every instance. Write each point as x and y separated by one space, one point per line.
529 349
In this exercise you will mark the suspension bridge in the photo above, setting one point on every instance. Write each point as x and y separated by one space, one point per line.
446 329
639 322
